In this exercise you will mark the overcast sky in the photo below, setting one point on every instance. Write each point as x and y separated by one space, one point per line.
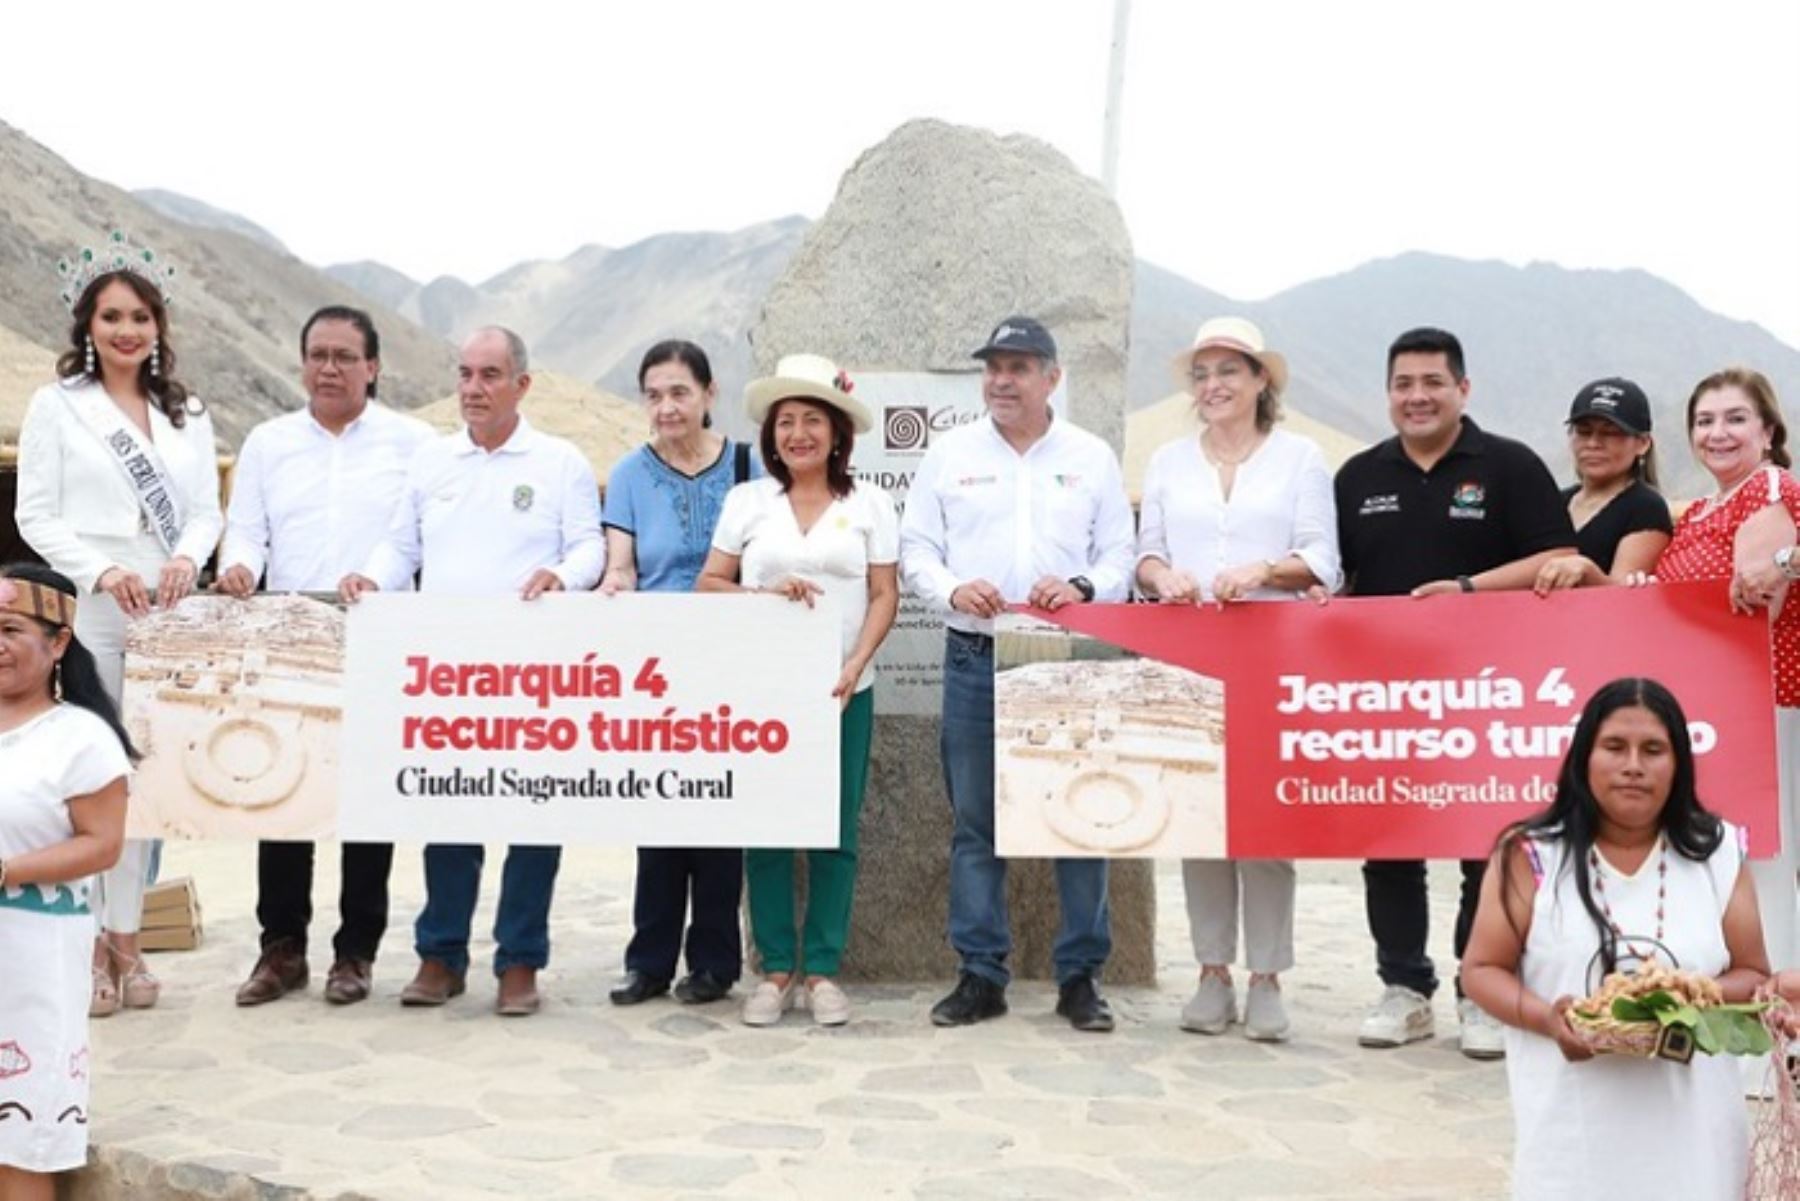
1265 143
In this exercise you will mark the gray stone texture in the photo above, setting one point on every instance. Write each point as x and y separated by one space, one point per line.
934 236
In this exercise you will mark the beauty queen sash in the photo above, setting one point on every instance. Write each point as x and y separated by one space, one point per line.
137 460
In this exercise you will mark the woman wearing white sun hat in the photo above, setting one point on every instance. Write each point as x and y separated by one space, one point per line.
809 529
1242 511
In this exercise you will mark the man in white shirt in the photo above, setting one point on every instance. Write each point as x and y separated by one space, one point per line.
496 507
1021 507
310 498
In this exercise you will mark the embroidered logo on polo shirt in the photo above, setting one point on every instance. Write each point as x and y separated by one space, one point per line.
523 495
1386 502
971 481
1067 481
1469 500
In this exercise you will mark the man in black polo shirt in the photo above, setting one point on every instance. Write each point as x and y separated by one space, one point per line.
1443 507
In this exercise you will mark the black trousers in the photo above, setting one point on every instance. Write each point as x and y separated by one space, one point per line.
1400 919
284 878
665 878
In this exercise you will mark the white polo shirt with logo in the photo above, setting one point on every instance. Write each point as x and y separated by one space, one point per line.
477 522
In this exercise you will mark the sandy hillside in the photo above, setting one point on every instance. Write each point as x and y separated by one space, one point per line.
604 426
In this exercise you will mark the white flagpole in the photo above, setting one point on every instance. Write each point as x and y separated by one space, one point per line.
1115 97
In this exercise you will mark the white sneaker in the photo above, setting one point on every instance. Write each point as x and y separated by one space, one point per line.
1265 1017
829 1005
769 1000
1212 1008
1401 1016
1482 1037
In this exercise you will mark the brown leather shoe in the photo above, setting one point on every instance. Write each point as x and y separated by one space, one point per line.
348 982
434 984
280 969
518 993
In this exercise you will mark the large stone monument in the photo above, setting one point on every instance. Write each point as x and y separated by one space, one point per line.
934 236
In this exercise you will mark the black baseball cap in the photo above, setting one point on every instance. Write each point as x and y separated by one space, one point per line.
1020 335
1616 400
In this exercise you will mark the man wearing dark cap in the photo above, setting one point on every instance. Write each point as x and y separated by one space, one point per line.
1020 507
1441 508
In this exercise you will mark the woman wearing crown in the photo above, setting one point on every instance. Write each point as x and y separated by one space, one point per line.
119 491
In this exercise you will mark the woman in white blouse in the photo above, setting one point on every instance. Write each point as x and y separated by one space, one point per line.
1244 511
119 491
807 530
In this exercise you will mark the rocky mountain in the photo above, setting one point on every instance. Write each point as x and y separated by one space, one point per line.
190 211
238 302
593 314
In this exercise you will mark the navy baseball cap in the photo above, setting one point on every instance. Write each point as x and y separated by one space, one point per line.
1616 400
1019 335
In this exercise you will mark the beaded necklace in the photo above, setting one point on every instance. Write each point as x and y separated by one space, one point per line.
1662 887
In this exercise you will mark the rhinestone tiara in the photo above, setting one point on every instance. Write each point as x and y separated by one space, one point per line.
118 253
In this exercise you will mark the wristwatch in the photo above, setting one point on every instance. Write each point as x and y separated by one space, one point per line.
1784 562
1084 586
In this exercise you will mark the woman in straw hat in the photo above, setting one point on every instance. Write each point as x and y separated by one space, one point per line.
119 491
1243 511
810 530
662 501
63 763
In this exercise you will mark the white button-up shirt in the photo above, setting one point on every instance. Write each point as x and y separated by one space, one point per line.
309 505
1281 504
978 509
480 522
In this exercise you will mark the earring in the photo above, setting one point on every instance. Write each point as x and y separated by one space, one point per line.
88 363
56 681
156 358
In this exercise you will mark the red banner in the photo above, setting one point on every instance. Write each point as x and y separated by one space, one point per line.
1402 728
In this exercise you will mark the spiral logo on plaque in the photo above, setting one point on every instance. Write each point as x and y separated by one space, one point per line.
906 427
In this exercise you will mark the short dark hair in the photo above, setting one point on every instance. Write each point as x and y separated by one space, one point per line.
365 325
837 464
1428 340
677 350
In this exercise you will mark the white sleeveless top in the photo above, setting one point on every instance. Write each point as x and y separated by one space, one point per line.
1617 1126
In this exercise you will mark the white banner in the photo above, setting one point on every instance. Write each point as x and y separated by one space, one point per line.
639 719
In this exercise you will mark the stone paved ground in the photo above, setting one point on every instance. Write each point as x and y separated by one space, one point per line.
668 1101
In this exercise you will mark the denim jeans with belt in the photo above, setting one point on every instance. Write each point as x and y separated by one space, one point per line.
521 923
980 930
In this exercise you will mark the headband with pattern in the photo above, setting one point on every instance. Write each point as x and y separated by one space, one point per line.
117 254
36 600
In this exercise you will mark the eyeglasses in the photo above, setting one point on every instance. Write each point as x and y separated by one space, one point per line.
1226 373
341 359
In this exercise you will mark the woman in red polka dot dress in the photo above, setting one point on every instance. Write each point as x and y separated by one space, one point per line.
1737 432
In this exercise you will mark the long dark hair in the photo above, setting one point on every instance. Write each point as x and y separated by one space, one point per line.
80 676
1574 817
160 385
837 463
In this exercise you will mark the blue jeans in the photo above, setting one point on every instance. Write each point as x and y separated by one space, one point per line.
521 924
979 928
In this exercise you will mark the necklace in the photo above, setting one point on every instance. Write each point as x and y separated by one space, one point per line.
1712 503
1662 891
1223 461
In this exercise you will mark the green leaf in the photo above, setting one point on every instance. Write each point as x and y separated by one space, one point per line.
1627 1009
1684 1015
1660 1000
1730 1031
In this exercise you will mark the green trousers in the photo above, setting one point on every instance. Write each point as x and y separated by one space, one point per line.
830 875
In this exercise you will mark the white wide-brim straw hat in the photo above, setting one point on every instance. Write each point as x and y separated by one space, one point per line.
1233 333
807 377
